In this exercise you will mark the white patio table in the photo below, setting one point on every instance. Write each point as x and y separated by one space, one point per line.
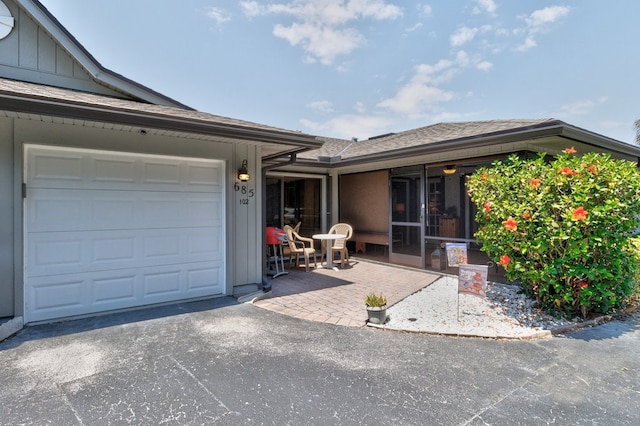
329 238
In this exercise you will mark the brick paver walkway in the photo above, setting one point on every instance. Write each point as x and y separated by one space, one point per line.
337 296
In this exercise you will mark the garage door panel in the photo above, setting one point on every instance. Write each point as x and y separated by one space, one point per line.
73 169
112 170
59 252
108 231
69 210
209 243
162 283
114 290
82 251
54 210
110 210
205 278
114 247
202 176
161 172
47 168
58 296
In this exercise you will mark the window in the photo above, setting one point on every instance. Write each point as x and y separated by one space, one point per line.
294 199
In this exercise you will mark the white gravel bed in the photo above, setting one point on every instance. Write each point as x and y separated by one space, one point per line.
438 308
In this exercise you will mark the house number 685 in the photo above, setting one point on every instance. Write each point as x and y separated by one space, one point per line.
244 190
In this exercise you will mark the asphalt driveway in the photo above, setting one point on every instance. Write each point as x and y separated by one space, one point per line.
219 362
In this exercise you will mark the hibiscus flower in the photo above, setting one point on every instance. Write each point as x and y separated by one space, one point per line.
580 213
571 150
567 171
510 224
504 260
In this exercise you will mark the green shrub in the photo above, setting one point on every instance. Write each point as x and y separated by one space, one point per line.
562 227
634 297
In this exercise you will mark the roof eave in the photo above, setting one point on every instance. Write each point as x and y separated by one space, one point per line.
591 138
544 130
99 73
57 108
456 144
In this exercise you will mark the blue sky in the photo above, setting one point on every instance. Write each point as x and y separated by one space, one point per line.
360 68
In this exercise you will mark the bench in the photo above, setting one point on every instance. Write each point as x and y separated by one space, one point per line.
363 238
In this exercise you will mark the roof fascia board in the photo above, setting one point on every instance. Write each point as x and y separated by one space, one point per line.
158 121
556 128
101 74
585 136
457 144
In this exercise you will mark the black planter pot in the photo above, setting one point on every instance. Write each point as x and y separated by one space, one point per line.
377 314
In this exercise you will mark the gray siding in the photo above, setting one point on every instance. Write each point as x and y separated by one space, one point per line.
243 220
29 53
7 222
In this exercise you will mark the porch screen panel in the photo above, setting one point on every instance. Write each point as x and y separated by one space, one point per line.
364 201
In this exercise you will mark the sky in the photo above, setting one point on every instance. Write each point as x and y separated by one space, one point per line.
361 68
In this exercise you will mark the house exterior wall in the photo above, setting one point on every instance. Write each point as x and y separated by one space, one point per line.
243 214
29 53
6 215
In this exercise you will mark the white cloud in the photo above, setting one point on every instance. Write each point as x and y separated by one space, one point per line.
322 106
359 107
422 93
540 18
484 66
528 43
613 124
320 43
581 108
488 6
322 28
462 35
425 9
251 8
414 99
415 27
349 125
462 58
448 116
538 22
218 15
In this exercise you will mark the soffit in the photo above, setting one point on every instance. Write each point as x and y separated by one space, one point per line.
44 103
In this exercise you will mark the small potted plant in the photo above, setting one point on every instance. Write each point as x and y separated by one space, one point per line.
376 308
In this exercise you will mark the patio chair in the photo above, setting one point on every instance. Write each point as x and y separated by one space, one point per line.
300 246
340 245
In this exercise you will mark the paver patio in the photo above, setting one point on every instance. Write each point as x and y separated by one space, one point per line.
336 296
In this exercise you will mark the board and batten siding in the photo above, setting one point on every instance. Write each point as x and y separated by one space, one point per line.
29 53
7 235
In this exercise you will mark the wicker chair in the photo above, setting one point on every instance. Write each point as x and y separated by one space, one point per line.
340 245
298 246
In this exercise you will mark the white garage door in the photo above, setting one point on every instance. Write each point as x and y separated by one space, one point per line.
107 230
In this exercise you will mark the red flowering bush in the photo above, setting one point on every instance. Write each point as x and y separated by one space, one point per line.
562 227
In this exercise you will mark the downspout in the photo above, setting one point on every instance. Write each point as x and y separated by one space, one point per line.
266 281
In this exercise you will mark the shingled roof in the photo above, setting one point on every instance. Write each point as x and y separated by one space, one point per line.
455 135
35 99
